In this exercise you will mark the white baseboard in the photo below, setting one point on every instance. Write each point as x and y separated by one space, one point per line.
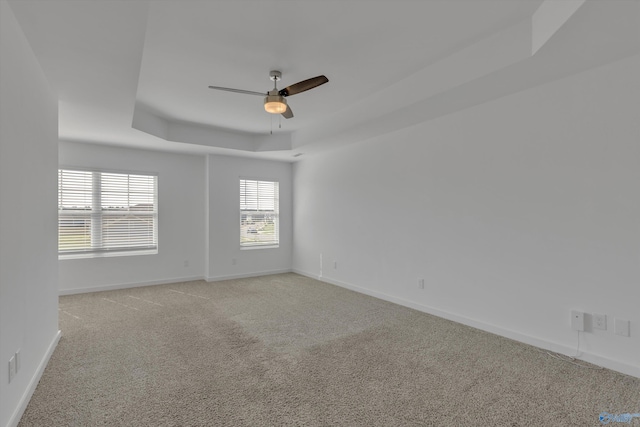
128 285
166 281
246 275
555 347
26 397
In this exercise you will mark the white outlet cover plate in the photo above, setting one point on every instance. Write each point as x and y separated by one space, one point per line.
12 368
622 327
600 321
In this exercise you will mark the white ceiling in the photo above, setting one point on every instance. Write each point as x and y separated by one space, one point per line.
389 63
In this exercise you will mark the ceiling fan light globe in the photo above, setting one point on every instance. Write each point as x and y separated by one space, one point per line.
275 104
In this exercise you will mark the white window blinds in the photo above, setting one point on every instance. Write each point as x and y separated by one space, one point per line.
259 207
102 212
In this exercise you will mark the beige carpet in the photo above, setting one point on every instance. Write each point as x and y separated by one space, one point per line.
288 350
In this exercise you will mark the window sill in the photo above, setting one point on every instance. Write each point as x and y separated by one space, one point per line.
250 248
62 257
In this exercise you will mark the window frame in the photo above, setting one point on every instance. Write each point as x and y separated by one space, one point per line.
97 195
275 243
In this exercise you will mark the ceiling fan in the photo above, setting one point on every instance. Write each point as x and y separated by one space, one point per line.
275 100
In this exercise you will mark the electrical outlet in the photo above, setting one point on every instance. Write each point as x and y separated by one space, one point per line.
186 263
420 283
12 368
622 327
599 321
18 361
577 320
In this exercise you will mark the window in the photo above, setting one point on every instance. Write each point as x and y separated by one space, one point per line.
103 213
259 206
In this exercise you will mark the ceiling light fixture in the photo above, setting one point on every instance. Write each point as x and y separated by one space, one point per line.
275 104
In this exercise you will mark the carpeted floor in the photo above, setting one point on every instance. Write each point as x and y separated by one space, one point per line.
288 350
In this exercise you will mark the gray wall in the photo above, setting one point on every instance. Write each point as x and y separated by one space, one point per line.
28 188
514 212
224 220
181 220
198 217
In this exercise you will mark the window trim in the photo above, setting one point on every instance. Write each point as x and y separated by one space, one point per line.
115 252
266 245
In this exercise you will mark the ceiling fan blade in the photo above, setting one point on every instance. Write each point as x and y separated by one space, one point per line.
287 113
228 89
303 86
